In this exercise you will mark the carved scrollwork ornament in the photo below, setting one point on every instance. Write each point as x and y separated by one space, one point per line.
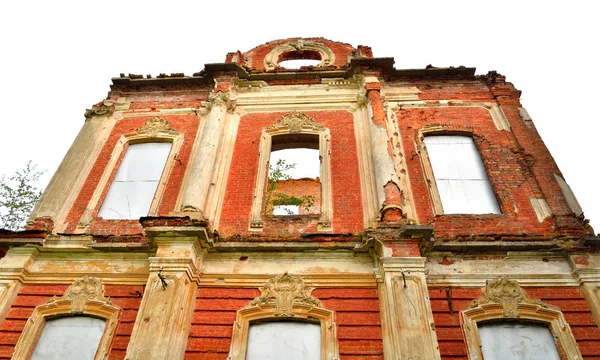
83 290
284 292
508 293
296 123
156 125
221 98
99 110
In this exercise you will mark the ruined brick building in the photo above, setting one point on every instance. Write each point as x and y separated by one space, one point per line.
437 225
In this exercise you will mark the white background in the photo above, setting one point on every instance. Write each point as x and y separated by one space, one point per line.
57 58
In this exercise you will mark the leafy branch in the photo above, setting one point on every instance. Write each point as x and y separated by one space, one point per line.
274 198
18 196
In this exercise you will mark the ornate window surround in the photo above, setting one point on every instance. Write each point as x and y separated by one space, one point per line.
271 60
504 299
293 123
156 129
84 297
285 297
434 193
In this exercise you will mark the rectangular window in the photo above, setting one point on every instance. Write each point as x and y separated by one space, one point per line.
131 193
515 341
463 184
293 186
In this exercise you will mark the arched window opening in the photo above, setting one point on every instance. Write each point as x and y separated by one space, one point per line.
296 59
65 338
290 340
462 182
294 186
133 188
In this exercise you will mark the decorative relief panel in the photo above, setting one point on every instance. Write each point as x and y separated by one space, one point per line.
284 292
156 125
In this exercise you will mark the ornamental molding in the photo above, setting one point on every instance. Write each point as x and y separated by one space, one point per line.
155 126
284 292
99 110
295 123
271 61
221 98
87 288
506 293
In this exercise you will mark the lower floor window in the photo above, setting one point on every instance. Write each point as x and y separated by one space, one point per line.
289 340
66 338
517 341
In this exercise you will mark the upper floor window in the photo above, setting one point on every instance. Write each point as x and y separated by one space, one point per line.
75 337
289 340
293 186
132 191
517 341
462 182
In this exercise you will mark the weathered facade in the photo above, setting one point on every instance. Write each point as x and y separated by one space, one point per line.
395 258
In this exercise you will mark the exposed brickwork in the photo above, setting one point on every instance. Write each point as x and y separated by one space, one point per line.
255 57
185 124
356 314
299 188
30 296
568 300
347 211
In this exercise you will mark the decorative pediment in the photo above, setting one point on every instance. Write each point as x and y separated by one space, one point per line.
299 46
86 289
156 125
296 123
507 293
284 292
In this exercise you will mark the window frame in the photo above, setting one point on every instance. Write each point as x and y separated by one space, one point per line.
85 297
156 129
432 187
514 305
277 302
293 123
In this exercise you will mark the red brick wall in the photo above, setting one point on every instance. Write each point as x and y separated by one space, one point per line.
30 296
518 164
299 188
569 300
185 124
356 314
345 183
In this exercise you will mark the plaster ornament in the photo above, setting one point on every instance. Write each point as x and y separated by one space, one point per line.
99 110
156 125
508 293
84 289
284 292
296 123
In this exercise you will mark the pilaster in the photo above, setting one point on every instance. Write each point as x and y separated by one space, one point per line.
197 188
165 315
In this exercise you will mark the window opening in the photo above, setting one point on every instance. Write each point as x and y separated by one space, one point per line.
290 340
517 341
69 338
463 184
297 59
294 186
131 193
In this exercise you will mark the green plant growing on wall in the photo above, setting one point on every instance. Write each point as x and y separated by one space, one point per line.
274 198
18 196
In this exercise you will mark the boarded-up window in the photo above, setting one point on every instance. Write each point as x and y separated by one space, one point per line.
284 340
131 193
462 182
69 338
516 341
